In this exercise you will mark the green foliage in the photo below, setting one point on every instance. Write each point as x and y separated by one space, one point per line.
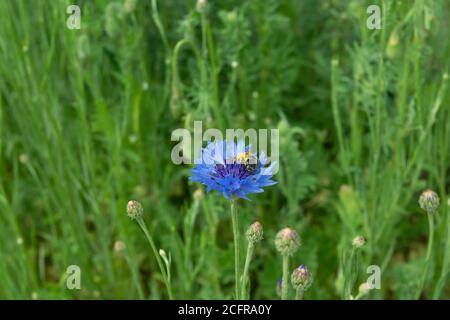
86 118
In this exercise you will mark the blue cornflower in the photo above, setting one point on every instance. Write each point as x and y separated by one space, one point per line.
232 169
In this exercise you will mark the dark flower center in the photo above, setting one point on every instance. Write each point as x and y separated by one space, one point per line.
236 170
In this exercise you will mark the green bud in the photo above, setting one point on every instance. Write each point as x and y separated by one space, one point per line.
429 201
129 5
287 241
119 246
198 194
363 289
176 103
358 242
301 278
134 209
255 233
201 5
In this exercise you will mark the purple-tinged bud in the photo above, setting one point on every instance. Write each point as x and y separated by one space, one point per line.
134 209
287 241
255 232
301 278
429 201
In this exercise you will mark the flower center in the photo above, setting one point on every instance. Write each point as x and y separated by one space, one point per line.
243 165
236 170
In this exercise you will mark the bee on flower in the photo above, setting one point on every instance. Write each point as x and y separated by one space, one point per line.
232 169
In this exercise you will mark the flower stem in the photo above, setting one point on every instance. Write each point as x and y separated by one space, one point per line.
159 25
245 278
358 296
299 294
350 273
285 283
157 256
236 245
428 257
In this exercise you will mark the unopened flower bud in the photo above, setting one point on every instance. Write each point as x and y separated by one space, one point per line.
23 158
255 232
287 241
129 5
301 278
201 5
119 246
163 255
198 194
134 209
363 289
429 201
358 242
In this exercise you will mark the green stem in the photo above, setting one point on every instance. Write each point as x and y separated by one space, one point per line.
245 278
351 273
157 256
358 296
428 257
285 283
299 294
135 276
159 25
236 245
176 51
208 45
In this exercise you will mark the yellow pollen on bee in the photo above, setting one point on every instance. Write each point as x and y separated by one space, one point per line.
244 156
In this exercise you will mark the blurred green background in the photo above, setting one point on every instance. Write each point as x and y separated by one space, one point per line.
86 118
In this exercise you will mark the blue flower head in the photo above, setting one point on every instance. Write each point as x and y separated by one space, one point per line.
232 169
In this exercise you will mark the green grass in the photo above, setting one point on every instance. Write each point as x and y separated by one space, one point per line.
86 118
